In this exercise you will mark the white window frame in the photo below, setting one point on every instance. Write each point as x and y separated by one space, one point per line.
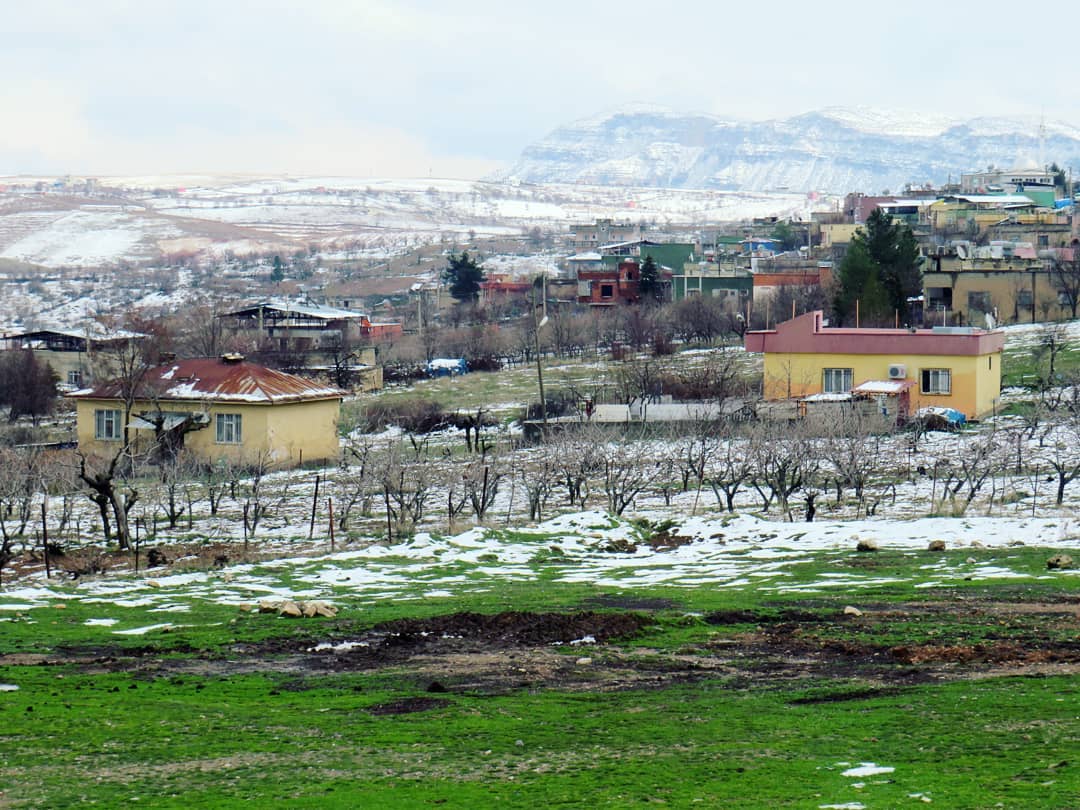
74 377
228 428
831 376
935 381
107 426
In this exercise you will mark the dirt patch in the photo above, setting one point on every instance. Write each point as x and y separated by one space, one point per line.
840 697
407 706
630 602
998 653
780 648
514 628
762 617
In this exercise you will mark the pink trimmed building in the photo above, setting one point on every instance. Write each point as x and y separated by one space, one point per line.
950 367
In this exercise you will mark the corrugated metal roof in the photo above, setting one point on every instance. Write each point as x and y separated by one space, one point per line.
306 310
217 381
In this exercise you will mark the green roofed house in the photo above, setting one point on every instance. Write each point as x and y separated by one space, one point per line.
710 280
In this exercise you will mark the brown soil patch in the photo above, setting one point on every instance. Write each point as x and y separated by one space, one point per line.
498 653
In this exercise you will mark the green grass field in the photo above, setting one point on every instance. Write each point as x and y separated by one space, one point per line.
964 696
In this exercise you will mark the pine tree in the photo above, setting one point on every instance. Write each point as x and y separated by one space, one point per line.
649 282
892 247
881 270
859 281
464 276
278 273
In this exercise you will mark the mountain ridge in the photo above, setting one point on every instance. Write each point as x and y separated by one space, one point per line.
832 150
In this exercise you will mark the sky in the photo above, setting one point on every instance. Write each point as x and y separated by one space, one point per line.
408 88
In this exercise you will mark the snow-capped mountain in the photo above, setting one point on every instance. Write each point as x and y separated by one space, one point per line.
832 150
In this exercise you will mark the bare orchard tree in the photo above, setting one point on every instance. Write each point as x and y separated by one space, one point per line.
1053 339
481 479
625 473
353 485
111 478
537 476
783 459
729 469
852 447
175 488
111 482
1062 455
406 483
577 459
963 474
248 488
21 482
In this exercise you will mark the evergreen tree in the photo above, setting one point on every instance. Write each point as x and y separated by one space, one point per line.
649 284
881 270
859 281
892 247
464 276
787 236
278 273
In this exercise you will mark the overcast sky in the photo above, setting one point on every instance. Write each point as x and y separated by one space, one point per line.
399 88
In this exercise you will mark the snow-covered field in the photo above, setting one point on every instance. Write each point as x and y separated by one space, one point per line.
141 218
717 552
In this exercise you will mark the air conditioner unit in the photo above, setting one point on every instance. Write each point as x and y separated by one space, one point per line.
897 371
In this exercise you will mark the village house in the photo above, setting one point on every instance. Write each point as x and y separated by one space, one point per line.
312 338
217 408
1011 283
77 356
944 367
607 287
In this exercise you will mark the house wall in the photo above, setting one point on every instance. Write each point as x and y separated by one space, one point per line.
282 431
839 234
1009 290
976 379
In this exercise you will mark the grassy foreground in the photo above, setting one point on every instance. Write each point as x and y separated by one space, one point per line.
740 697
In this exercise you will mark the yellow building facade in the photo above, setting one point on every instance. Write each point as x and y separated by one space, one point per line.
957 368
216 410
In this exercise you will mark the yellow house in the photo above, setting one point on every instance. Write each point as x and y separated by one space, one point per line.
949 367
216 409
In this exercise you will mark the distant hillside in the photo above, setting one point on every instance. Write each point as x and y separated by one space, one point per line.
833 150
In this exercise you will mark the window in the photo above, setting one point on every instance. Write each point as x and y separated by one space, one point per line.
1023 299
837 380
228 428
75 378
979 301
107 425
607 290
936 381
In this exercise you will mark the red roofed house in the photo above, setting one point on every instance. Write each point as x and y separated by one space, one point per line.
949 367
217 409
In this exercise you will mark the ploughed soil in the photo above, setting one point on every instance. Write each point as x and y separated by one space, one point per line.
611 649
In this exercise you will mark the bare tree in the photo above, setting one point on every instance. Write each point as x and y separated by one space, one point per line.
481 479
353 484
1066 276
406 487
729 468
966 471
577 459
537 478
783 460
625 474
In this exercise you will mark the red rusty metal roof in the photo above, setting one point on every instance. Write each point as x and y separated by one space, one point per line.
229 379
